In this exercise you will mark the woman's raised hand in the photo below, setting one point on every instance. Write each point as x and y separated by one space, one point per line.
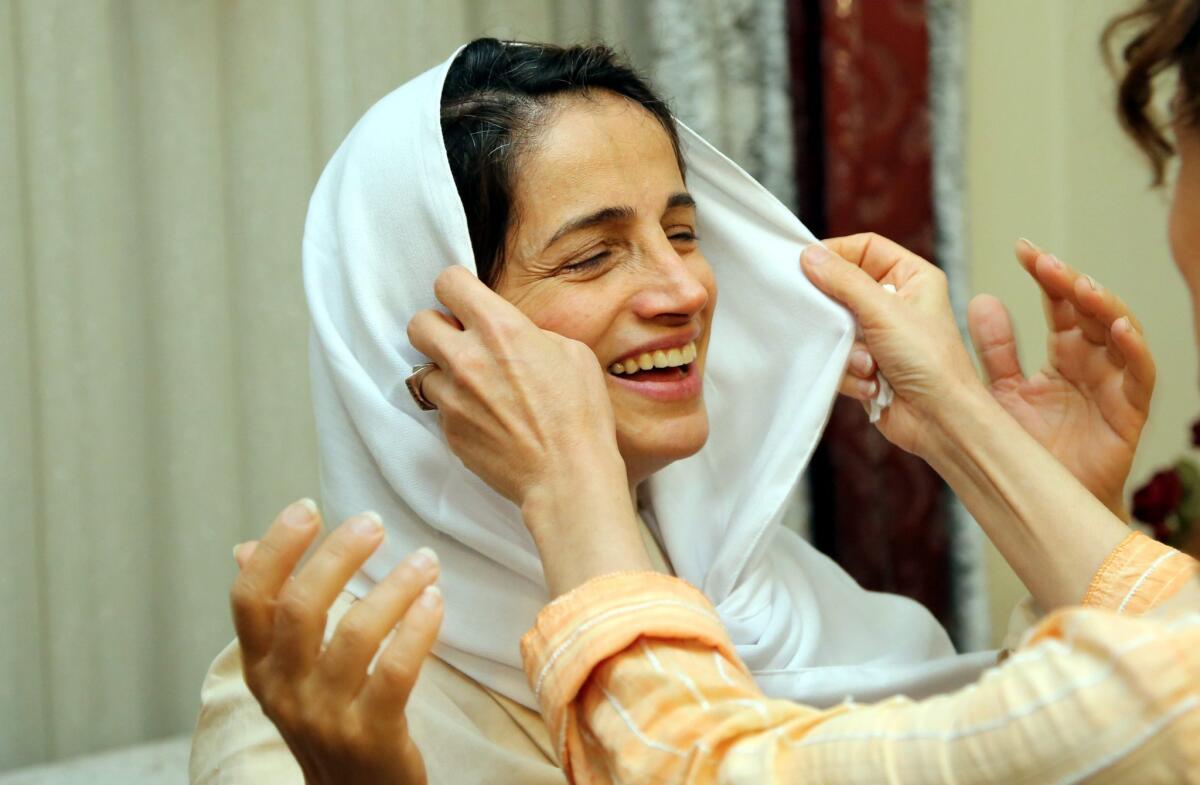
910 335
519 405
527 410
1088 404
343 723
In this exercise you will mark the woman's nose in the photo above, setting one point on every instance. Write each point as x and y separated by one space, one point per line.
674 288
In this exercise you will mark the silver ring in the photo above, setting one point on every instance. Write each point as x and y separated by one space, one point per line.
413 382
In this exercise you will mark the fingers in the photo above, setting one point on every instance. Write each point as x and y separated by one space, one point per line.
876 255
859 380
1140 372
436 386
1103 318
1057 282
992 334
1092 308
861 364
389 686
858 389
469 299
845 282
1102 305
243 551
265 571
304 602
435 335
367 623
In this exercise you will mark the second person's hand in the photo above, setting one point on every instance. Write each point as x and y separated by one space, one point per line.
1089 402
910 336
1049 527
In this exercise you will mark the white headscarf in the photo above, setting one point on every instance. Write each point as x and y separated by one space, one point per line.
386 218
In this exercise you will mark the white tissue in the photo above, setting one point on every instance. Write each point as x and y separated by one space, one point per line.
883 397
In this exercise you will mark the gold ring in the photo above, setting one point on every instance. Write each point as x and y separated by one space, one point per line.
414 386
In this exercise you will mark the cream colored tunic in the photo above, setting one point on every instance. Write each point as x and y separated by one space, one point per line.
467 734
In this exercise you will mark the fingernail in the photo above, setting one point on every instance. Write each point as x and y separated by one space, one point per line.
237 548
1092 283
423 559
1056 262
1029 243
817 255
867 388
367 524
862 361
1122 324
430 598
299 513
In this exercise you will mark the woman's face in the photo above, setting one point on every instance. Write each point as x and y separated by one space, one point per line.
603 248
1184 227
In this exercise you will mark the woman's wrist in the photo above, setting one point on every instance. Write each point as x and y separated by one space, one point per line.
1051 530
583 521
961 417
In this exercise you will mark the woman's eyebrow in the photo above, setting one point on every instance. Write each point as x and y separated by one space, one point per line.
621 213
681 199
604 215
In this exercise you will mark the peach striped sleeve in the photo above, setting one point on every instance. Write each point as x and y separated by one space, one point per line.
638 682
1138 576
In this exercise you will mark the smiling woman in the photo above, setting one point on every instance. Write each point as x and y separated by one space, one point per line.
614 262
610 260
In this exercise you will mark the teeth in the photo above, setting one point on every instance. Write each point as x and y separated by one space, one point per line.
660 358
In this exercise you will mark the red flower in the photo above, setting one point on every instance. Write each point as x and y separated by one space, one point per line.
1157 499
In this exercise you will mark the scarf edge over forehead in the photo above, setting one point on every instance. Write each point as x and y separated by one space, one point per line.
385 219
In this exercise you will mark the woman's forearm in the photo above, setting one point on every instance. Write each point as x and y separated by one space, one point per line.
1047 526
584 522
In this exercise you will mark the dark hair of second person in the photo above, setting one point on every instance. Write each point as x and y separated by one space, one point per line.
1165 38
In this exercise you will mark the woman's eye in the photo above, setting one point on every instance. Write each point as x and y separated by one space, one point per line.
588 263
684 237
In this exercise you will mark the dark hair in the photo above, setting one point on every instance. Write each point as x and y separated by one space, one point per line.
1166 36
496 96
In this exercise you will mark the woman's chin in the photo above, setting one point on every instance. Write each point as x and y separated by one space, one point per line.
648 446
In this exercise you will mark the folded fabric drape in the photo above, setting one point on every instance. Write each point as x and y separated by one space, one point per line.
386 218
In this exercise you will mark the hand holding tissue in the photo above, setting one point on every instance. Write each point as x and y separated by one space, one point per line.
902 306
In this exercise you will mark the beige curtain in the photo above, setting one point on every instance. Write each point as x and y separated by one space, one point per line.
157 158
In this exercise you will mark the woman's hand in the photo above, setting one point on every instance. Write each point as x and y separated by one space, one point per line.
1089 402
1052 531
527 410
911 334
517 403
342 723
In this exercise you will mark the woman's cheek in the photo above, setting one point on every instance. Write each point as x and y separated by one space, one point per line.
574 316
1184 223
1184 229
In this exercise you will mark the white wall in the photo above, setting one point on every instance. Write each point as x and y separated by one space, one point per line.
1047 160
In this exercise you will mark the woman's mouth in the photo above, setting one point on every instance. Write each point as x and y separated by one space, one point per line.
663 374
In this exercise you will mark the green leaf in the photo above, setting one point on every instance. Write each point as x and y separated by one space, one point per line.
1189 477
